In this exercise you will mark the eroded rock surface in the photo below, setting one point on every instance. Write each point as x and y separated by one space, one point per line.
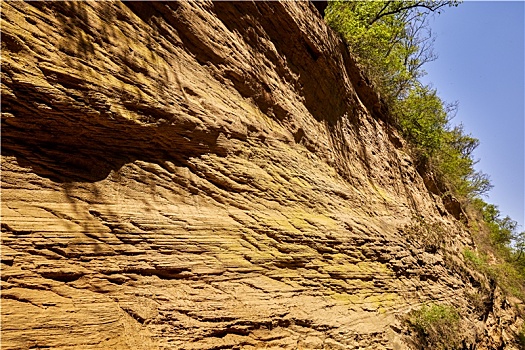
201 175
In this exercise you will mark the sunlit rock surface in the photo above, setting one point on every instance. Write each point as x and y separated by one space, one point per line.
197 175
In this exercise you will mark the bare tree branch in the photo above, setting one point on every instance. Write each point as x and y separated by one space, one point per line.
431 6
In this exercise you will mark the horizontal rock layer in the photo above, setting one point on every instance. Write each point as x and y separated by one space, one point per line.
202 175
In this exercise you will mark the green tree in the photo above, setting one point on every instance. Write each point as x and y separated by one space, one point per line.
519 244
456 164
422 119
502 230
391 39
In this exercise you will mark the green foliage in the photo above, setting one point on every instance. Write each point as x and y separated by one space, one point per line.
456 166
507 246
478 261
422 118
437 326
509 275
392 41
519 248
378 44
502 230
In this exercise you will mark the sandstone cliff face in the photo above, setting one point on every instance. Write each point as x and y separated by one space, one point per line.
212 176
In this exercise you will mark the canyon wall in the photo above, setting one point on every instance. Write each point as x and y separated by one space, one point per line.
198 175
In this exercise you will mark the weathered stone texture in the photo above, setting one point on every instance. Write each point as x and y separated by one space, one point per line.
201 175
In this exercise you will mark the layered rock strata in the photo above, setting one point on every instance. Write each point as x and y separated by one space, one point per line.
198 175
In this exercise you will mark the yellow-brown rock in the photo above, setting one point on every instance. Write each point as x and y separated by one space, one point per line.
198 175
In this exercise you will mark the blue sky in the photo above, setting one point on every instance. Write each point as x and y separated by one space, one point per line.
481 62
